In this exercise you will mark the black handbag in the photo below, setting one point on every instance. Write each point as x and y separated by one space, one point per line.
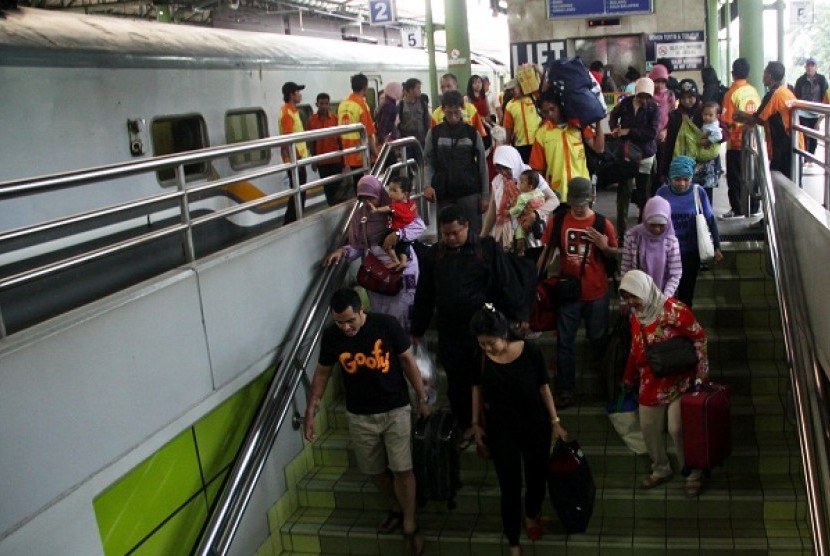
569 288
671 357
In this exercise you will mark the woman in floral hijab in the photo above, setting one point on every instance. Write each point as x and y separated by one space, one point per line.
656 318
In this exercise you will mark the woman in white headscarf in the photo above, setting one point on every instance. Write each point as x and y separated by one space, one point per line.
497 221
656 318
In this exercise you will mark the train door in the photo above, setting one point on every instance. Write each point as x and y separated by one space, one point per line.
373 93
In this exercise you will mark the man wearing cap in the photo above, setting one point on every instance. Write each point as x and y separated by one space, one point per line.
469 114
812 87
290 122
740 97
354 110
583 251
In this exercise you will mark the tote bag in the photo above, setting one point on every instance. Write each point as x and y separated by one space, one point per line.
705 246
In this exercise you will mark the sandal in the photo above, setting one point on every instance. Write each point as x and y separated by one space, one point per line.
692 488
653 480
393 521
415 542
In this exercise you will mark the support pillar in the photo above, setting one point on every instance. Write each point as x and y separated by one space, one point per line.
751 40
458 41
712 33
429 29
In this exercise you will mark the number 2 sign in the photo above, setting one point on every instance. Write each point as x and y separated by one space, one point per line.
381 12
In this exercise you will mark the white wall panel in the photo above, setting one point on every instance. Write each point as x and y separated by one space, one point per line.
81 390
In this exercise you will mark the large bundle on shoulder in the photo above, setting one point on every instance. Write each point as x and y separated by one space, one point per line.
580 94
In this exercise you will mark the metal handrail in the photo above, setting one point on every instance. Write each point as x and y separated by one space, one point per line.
810 397
182 195
798 109
227 515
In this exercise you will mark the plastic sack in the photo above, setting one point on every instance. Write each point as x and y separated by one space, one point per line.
688 143
429 371
624 415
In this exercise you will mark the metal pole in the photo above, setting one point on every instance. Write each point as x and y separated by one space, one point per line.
458 41
712 50
184 206
429 28
751 40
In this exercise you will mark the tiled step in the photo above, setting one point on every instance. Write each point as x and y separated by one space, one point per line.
704 529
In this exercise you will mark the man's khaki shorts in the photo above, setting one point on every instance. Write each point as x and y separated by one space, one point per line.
382 440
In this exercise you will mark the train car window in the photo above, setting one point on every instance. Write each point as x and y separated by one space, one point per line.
247 125
305 113
372 99
177 134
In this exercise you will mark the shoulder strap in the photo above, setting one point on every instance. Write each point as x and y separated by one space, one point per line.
400 109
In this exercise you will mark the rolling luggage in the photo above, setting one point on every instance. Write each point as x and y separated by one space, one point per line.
707 428
435 458
571 486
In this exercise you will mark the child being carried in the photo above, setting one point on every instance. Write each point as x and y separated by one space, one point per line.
402 212
530 198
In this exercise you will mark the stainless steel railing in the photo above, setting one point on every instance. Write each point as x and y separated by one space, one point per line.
242 479
808 380
800 109
183 196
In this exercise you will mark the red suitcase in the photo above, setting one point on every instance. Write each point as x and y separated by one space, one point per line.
707 428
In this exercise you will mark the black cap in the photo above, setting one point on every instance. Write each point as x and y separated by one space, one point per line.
579 191
289 88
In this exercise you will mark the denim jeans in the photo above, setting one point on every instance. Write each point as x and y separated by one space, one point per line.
570 315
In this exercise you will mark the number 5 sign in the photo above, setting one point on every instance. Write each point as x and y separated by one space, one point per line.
411 37
381 12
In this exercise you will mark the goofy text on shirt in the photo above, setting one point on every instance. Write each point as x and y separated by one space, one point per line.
378 360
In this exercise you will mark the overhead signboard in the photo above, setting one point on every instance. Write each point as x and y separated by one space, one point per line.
802 12
597 8
685 49
537 52
381 12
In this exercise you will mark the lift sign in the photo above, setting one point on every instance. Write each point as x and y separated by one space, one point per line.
381 12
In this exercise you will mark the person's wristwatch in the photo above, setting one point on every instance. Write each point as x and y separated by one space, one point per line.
424 398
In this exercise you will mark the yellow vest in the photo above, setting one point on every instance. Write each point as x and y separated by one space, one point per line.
560 154
469 115
526 120
290 122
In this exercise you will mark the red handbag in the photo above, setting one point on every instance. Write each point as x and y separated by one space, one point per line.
543 316
376 277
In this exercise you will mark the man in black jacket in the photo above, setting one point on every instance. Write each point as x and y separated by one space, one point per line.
455 164
459 275
812 87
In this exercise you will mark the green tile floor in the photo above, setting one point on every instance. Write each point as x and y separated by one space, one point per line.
753 505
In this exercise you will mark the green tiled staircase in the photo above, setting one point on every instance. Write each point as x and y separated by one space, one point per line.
753 505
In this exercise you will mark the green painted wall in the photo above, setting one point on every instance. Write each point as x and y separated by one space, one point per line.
160 506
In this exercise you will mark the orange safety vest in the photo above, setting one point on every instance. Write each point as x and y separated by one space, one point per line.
290 122
740 96
469 115
354 110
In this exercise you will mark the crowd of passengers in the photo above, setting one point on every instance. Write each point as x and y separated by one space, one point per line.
535 201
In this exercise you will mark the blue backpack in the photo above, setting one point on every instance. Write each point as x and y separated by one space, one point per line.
579 94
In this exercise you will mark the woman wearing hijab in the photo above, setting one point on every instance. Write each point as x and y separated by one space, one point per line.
680 195
371 192
656 318
511 392
653 248
497 220
387 113
636 119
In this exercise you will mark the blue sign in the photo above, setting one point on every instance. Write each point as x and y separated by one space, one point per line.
597 8
381 12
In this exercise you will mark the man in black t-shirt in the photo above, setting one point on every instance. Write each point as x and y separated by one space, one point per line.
374 352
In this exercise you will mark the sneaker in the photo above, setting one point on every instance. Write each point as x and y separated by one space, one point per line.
729 214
